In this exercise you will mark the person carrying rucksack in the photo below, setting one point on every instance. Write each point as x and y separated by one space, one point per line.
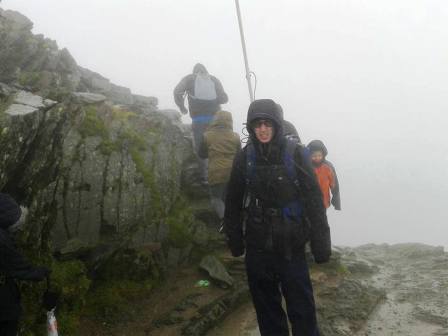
220 146
325 173
13 267
273 207
205 95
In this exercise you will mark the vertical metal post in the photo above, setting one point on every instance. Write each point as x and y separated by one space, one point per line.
243 43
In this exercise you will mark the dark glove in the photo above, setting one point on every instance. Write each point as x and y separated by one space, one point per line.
237 250
319 259
50 300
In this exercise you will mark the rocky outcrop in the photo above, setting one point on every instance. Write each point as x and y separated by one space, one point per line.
35 63
107 177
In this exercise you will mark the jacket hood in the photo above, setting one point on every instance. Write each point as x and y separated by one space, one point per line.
317 145
222 119
199 68
265 109
10 211
289 129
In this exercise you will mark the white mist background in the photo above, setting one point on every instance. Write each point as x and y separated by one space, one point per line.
369 78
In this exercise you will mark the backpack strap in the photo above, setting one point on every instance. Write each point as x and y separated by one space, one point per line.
288 159
250 162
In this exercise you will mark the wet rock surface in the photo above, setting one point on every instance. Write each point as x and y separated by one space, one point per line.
415 278
382 290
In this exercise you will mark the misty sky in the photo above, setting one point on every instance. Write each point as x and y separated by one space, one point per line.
369 78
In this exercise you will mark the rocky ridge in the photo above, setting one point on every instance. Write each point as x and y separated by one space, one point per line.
109 180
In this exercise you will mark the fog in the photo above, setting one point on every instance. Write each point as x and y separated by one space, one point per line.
369 78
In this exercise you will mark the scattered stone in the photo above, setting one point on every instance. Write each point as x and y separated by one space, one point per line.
216 270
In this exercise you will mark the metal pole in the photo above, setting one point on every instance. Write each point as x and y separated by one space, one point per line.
243 43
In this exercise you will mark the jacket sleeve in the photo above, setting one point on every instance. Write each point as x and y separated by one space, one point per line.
233 216
179 92
222 97
314 208
237 142
16 266
336 197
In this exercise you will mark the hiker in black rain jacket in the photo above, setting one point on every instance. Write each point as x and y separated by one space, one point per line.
274 192
13 267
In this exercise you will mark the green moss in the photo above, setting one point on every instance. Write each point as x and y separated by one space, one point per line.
30 79
58 93
122 115
133 140
106 147
5 103
69 279
150 182
92 125
113 301
179 220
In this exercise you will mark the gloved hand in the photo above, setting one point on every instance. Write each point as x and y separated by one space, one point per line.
50 300
237 250
183 110
319 259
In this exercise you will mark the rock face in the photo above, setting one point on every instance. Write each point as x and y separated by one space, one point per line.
96 171
101 170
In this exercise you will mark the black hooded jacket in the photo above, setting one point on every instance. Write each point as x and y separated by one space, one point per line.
199 107
13 266
271 154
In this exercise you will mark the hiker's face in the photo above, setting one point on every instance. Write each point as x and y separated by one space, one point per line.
264 130
317 157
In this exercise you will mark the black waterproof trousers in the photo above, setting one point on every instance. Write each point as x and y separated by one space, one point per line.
271 275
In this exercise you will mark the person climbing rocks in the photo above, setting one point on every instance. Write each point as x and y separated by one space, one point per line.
220 146
13 266
326 174
205 95
271 191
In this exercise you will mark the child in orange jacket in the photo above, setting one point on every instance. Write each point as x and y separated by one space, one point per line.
325 173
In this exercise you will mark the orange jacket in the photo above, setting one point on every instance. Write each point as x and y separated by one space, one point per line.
326 178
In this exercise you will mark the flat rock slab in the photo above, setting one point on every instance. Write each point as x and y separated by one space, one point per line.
19 109
26 102
90 98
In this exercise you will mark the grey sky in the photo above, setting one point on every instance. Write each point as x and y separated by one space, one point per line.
369 78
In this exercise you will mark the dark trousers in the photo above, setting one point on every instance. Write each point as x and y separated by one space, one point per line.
9 328
270 276
198 138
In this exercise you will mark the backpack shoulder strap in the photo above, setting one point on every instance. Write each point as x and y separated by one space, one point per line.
288 158
250 162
